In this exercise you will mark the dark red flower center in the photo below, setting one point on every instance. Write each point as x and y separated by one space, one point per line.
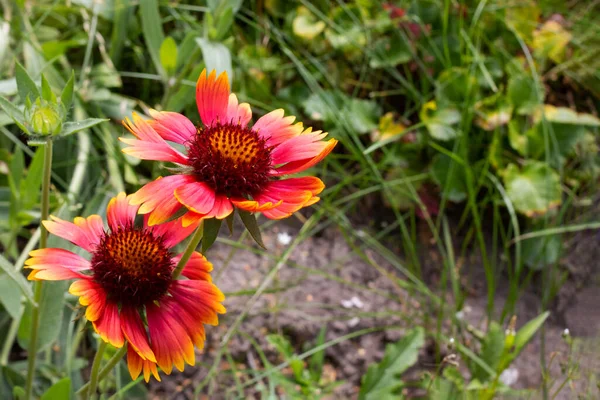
132 266
231 159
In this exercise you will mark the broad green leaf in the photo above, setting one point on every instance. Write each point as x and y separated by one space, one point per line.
216 56
10 296
17 168
454 86
522 17
564 115
153 31
550 41
66 97
250 223
27 88
534 190
382 379
523 95
541 252
525 334
188 49
362 115
14 113
211 231
16 278
60 390
72 127
51 315
168 54
451 177
440 122
324 105
390 51
491 351
306 25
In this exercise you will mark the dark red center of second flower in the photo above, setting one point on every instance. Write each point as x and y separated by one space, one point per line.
231 159
133 266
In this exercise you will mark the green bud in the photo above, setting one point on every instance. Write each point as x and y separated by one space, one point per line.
45 118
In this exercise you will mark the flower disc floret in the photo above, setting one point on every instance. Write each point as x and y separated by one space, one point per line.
132 265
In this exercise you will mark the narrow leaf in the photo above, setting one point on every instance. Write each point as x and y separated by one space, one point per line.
60 390
47 91
66 96
72 127
229 221
250 223
152 30
10 296
211 231
30 188
14 113
525 334
26 85
17 278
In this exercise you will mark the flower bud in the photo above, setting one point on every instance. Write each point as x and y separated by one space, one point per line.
45 118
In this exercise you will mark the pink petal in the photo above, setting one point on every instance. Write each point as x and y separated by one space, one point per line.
85 232
299 148
172 232
197 196
120 213
172 126
301 165
222 207
158 198
276 128
238 114
91 295
212 97
57 256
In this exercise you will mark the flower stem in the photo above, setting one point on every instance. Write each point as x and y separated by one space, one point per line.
95 369
37 295
191 247
104 371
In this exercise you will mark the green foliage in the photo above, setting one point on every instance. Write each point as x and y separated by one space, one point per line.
382 380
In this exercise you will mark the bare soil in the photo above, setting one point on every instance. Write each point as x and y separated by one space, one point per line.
326 283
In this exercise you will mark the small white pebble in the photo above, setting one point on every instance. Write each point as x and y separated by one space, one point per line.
509 376
347 303
353 322
360 233
284 238
357 302
460 315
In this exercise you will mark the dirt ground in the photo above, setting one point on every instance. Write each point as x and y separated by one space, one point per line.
325 283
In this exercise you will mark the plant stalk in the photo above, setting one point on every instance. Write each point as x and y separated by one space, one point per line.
35 309
82 392
191 247
96 369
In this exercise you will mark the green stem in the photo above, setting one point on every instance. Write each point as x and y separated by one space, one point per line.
95 369
35 311
10 339
104 371
191 247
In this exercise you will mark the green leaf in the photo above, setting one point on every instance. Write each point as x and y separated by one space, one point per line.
66 96
168 54
72 127
454 85
439 122
10 296
382 379
17 278
523 18
283 346
390 51
14 113
250 223
534 190
153 31
525 334
362 115
540 252
324 105
225 20
211 231
60 390
27 88
491 351
318 359
51 315
229 221
564 115
216 56
30 188
451 177
551 41
306 25
47 93
523 94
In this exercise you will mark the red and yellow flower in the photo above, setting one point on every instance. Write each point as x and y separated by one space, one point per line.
226 163
128 289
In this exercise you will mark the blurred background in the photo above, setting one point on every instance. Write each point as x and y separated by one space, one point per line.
454 253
